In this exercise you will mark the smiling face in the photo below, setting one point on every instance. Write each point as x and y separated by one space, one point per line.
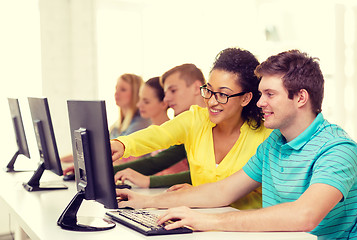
280 112
178 95
225 82
149 104
123 93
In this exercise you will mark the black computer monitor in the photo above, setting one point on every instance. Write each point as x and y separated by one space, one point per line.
46 142
22 147
93 165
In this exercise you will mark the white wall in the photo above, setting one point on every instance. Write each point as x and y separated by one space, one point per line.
148 38
20 74
69 68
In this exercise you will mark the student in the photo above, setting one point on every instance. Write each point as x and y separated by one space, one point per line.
307 167
126 98
182 89
151 102
151 106
219 139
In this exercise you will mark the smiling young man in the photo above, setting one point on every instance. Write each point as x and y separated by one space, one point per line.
307 167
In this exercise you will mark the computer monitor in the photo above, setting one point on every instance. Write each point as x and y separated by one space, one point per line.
22 147
46 142
92 164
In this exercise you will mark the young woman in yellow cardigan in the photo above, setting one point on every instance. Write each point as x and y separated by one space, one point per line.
218 139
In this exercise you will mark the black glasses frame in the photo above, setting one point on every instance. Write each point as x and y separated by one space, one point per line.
204 87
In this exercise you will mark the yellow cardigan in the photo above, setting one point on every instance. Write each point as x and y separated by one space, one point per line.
194 129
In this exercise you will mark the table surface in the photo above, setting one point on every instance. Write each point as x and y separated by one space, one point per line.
37 214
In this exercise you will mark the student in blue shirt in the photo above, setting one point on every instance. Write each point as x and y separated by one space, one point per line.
307 167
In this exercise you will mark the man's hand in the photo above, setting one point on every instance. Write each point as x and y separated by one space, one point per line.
178 187
186 217
117 149
134 177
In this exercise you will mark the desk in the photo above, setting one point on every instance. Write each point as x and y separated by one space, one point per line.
37 214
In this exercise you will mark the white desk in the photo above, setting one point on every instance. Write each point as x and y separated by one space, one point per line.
37 214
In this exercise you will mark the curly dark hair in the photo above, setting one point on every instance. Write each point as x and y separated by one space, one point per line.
242 63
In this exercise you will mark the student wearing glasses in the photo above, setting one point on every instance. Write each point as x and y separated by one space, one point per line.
307 167
218 139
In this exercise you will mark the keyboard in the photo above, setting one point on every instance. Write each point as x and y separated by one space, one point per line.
144 222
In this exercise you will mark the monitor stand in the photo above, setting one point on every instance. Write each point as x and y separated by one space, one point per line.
10 166
34 183
69 220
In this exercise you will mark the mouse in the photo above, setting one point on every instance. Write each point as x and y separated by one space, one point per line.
122 186
69 177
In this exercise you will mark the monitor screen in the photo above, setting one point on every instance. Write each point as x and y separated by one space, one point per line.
92 162
22 147
46 142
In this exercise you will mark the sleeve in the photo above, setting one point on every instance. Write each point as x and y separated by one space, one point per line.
154 164
253 168
172 132
170 179
336 166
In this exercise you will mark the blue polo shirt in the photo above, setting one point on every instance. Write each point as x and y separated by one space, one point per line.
323 153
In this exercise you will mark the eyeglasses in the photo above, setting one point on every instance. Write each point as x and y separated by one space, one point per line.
220 97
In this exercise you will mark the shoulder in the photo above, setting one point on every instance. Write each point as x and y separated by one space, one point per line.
331 136
137 119
199 112
195 113
137 123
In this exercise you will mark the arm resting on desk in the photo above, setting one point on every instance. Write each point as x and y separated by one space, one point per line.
303 214
217 194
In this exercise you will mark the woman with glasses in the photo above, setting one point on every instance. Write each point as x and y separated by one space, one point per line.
220 138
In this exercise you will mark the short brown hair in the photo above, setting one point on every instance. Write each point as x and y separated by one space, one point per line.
298 71
188 72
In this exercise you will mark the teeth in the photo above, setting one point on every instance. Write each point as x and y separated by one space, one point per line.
215 111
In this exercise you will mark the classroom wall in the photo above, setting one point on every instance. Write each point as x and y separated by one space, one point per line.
77 49
69 65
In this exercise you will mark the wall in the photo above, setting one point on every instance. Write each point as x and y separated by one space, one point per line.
68 59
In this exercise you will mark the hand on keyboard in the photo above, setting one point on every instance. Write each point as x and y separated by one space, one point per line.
186 217
133 176
128 198
144 222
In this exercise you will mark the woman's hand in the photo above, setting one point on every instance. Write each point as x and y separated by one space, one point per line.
117 149
128 198
134 177
68 170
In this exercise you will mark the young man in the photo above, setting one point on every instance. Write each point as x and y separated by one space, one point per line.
182 90
182 87
307 167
